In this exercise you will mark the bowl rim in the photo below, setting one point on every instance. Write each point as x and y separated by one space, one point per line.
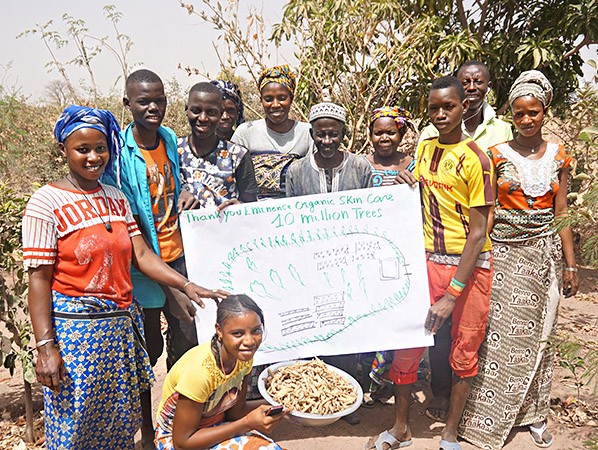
337 415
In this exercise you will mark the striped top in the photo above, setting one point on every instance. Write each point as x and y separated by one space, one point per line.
381 177
62 228
453 178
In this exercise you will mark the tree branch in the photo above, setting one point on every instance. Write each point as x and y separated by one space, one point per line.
585 41
484 13
461 15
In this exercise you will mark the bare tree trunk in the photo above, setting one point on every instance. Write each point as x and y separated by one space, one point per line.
29 431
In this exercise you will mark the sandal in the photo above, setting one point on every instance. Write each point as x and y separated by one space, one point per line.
437 409
446 445
386 438
368 401
537 434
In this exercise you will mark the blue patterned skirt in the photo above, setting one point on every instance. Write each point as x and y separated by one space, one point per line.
106 365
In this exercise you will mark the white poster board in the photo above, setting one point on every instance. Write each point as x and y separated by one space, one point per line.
334 273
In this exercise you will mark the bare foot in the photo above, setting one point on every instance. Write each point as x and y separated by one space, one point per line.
540 435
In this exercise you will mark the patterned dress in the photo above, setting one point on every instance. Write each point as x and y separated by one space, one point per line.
512 387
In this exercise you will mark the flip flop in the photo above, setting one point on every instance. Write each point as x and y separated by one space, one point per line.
386 438
539 432
446 445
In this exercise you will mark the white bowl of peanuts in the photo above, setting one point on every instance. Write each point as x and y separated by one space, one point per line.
317 393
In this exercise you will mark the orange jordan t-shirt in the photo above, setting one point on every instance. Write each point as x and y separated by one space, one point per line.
162 192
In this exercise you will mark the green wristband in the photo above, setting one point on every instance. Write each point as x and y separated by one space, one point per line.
458 283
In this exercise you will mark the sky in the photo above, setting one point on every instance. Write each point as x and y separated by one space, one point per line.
163 33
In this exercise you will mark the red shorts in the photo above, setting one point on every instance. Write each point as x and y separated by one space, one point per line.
468 329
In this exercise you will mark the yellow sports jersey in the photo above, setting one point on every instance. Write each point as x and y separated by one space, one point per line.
453 179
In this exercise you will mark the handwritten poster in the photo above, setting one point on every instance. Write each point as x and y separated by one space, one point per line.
334 273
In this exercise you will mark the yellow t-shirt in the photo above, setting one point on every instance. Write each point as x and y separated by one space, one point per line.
196 376
453 179
162 191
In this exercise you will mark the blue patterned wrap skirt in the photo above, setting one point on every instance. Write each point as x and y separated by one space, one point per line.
106 365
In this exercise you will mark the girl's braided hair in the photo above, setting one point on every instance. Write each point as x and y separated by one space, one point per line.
233 306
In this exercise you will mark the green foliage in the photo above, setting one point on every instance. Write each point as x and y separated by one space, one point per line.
13 286
373 53
580 357
591 443
579 128
28 151
349 54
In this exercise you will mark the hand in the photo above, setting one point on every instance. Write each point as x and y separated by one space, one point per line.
261 422
570 283
196 293
49 368
187 201
227 203
179 304
439 312
405 177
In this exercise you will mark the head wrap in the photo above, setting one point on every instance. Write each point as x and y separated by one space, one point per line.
277 74
401 116
327 109
230 91
534 83
76 117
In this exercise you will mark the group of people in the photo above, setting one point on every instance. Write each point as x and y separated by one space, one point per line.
494 259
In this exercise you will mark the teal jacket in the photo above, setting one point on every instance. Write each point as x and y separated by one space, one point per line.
134 185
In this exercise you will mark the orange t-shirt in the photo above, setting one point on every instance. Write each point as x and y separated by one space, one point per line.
162 191
66 229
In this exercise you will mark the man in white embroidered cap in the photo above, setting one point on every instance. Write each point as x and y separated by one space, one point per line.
329 169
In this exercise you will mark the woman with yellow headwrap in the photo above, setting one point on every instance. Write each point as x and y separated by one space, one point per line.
277 140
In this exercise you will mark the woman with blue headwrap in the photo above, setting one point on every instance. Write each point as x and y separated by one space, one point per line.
79 239
233 111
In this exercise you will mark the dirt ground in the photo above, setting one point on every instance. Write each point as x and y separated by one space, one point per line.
573 422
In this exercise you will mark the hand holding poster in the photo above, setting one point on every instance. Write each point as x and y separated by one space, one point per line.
334 273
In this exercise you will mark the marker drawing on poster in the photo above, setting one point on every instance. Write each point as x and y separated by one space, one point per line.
334 273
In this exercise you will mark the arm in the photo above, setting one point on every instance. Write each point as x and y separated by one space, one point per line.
290 184
245 180
442 309
49 368
491 213
186 433
570 279
152 266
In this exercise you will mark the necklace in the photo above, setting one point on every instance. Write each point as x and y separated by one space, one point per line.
533 149
107 225
474 114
